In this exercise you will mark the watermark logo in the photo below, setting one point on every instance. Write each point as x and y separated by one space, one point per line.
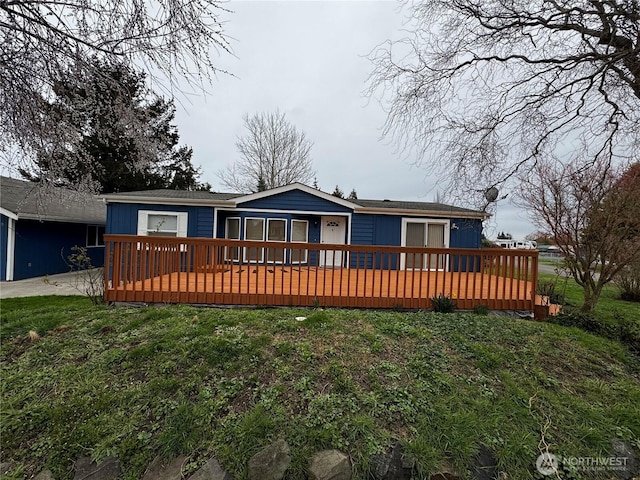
547 464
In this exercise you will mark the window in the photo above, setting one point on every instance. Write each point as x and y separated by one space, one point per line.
232 232
422 233
165 224
254 230
276 232
95 236
299 233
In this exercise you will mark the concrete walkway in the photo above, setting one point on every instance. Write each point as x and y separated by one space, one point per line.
60 284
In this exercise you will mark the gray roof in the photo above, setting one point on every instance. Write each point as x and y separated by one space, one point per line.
195 196
28 200
406 205
175 194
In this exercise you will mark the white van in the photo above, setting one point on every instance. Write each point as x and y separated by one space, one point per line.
522 244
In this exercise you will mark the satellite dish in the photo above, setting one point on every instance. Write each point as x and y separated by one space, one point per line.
491 194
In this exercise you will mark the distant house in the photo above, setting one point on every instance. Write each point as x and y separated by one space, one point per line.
293 213
38 228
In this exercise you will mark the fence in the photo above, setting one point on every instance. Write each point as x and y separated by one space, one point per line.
236 272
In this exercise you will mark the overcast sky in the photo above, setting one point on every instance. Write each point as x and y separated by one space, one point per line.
309 59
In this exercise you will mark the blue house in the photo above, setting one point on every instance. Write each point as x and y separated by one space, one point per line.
293 213
40 226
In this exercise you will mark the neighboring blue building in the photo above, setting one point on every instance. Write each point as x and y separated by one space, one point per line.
296 213
39 227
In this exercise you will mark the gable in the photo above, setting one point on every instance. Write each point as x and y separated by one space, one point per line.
294 200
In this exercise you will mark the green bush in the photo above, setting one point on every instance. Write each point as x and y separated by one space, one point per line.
443 304
481 310
623 329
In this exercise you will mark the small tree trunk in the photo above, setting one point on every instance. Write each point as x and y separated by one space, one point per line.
591 295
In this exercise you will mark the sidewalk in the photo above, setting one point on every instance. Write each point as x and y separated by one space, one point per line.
60 284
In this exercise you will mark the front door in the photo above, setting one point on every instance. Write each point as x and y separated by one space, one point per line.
333 231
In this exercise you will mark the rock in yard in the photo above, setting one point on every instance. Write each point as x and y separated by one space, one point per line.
44 475
445 472
392 465
162 469
108 469
271 462
330 465
484 466
5 467
624 453
211 471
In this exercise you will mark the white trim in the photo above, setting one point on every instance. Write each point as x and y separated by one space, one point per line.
8 214
11 248
214 233
295 186
244 253
266 236
422 213
226 232
306 252
426 221
97 239
295 212
182 221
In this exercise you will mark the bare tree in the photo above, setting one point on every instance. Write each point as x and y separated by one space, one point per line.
273 153
592 212
480 90
43 42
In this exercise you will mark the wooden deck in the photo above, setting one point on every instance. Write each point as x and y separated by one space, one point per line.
191 274
340 287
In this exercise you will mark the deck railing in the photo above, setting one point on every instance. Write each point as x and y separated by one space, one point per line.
234 272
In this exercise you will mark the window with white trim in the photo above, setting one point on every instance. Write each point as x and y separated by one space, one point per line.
299 233
95 236
254 230
232 232
164 224
276 232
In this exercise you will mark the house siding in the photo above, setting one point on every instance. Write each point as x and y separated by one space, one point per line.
467 235
295 200
4 239
42 247
122 218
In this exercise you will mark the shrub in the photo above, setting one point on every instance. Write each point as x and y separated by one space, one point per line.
628 281
624 330
548 289
88 279
443 304
481 310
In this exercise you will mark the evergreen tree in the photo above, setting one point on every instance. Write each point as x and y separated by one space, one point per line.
353 195
338 193
104 107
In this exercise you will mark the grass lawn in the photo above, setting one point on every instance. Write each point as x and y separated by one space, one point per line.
142 382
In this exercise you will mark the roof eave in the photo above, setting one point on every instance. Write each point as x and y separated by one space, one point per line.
165 201
295 186
59 219
430 213
8 213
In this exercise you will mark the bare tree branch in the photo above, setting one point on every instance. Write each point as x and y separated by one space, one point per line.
43 42
273 153
479 91
592 213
